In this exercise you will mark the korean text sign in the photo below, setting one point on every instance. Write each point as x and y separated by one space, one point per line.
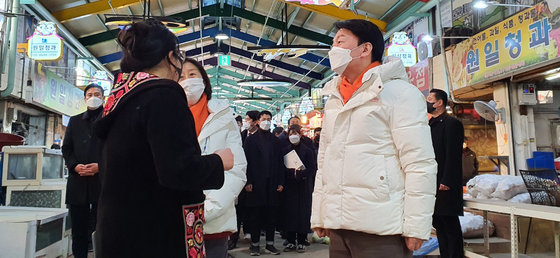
526 38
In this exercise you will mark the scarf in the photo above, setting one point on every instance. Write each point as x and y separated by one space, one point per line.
124 84
200 113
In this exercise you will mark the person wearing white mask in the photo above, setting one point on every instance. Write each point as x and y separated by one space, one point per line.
298 187
265 182
81 153
265 120
216 129
388 172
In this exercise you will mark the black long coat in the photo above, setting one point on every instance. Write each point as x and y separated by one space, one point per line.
298 190
264 170
447 139
81 146
152 166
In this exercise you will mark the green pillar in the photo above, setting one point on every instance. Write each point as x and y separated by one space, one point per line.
12 51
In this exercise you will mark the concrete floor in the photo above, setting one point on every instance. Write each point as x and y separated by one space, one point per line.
315 250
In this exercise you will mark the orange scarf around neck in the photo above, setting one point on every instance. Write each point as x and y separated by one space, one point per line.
347 89
200 113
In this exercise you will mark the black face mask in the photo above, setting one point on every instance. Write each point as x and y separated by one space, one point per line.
431 107
179 70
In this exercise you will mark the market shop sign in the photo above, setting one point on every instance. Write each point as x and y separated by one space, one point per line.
420 75
527 38
402 48
53 92
45 44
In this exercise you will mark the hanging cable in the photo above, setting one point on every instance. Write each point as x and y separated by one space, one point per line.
295 84
200 30
260 37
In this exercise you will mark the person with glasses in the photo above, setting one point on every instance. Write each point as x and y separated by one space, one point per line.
151 201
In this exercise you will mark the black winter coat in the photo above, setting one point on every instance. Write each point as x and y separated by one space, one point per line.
81 146
298 189
152 166
447 139
264 170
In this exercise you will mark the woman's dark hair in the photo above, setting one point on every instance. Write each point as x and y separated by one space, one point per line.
365 31
207 85
294 128
239 119
145 44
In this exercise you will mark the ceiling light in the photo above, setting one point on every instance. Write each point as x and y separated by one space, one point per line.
481 4
553 77
221 36
427 38
219 53
174 24
264 83
245 99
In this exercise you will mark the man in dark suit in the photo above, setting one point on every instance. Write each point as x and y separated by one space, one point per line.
81 154
447 138
250 125
265 182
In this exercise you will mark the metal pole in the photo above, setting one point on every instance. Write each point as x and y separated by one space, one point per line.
12 51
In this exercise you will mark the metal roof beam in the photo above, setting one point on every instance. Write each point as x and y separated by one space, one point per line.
337 13
214 10
214 61
91 8
219 71
225 48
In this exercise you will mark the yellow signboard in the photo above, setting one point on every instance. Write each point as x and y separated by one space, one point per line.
525 39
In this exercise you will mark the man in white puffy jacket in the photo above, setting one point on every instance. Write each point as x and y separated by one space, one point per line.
376 180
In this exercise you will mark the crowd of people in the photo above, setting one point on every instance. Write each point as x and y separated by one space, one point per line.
160 168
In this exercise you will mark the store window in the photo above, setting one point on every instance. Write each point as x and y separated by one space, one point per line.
32 128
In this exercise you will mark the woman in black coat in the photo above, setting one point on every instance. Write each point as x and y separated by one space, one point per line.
153 172
298 188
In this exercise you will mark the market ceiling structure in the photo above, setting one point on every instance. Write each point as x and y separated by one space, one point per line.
247 23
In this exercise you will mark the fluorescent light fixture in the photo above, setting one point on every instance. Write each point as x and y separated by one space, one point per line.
481 4
553 77
221 36
551 71
427 38
264 83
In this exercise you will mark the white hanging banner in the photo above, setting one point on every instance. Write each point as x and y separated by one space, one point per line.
45 44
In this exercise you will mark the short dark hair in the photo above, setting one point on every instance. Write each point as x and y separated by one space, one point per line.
91 86
294 128
318 129
253 114
293 117
207 84
144 44
366 31
278 130
239 119
265 112
440 95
